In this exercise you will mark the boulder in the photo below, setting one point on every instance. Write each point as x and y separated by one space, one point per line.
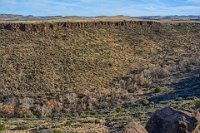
169 120
133 127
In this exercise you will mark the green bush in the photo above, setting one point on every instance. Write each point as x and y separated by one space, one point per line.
157 89
2 127
68 123
58 131
197 104
119 110
97 121
145 102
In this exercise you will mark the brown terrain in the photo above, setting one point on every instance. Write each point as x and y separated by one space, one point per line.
97 76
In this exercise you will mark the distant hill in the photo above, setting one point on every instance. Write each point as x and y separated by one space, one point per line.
175 17
16 17
13 17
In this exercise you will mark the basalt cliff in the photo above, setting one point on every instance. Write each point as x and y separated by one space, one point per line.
45 27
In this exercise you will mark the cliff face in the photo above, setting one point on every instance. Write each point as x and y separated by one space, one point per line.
45 27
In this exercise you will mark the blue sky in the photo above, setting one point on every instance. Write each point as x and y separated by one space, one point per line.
100 7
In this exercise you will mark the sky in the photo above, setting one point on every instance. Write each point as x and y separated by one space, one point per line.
100 7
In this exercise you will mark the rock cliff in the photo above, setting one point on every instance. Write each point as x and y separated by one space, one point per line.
45 27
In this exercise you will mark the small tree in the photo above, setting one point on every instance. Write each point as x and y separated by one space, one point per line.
2 126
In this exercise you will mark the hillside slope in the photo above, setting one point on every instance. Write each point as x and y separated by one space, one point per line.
83 67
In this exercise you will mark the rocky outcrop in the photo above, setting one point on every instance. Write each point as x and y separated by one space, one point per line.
133 127
169 120
45 27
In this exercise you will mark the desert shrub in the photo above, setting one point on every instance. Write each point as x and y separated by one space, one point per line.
119 110
145 102
23 112
162 73
132 87
29 115
189 68
197 104
97 121
157 89
2 127
142 80
53 116
58 131
157 72
22 127
71 132
7 110
68 123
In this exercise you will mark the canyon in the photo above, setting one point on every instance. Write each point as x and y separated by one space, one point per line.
98 74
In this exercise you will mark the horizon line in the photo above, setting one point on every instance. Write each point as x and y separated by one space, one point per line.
97 15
